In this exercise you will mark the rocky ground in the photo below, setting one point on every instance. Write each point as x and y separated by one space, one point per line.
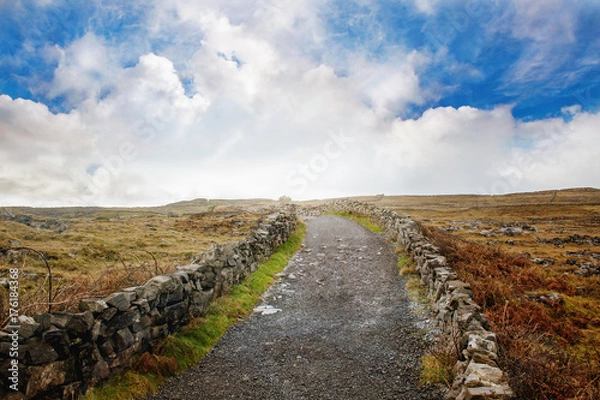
338 325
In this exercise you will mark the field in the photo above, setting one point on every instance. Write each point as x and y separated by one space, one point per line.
533 262
94 251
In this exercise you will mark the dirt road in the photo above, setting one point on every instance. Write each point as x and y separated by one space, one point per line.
338 325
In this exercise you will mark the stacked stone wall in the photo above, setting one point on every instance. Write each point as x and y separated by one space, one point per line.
60 355
460 320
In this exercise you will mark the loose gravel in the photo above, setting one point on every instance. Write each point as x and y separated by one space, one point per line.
337 325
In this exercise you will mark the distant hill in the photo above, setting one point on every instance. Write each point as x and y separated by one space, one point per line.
196 206
203 205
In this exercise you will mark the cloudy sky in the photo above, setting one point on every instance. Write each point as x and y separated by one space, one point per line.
105 102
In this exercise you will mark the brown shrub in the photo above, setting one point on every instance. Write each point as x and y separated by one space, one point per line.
158 365
540 344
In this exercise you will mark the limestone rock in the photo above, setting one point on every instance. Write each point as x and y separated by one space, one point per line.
45 377
486 393
94 305
123 339
483 375
38 352
120 300
27 326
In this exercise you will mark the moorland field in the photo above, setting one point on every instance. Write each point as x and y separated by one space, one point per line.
93 252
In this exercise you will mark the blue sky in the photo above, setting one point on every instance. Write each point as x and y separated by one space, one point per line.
146 102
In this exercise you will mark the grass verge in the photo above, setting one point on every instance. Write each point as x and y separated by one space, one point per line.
186 347
361 219
438 364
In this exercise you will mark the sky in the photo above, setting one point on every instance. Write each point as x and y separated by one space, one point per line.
105 102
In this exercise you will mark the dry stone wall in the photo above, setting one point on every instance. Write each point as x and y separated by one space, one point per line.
61 354
458 316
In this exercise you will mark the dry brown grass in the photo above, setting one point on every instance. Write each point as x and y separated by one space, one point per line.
104 250
550 348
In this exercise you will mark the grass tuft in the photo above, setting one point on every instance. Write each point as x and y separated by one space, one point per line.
406 265
438 367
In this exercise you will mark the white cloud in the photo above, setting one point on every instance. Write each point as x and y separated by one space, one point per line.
563 154
41 152
264 111
84 69
550 30
426 6
391 85
469 150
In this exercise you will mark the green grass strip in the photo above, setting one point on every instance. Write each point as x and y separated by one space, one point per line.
188 346
361 219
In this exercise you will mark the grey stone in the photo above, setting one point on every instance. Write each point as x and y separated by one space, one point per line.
60 320
159 332
71 391
59 340
94 305
45 377
97 330
208 281
107 349
165 283
456 284
125 319
143 305
183 277
44 319
109 313
148 292
477 343
483 375
121 300
123 339
486 393
37 352
511 230
174 296
27 326
175 313
143 323
80 322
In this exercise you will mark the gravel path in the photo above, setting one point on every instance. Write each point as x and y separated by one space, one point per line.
338 325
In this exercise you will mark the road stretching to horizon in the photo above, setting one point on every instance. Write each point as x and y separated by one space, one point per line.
338 325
